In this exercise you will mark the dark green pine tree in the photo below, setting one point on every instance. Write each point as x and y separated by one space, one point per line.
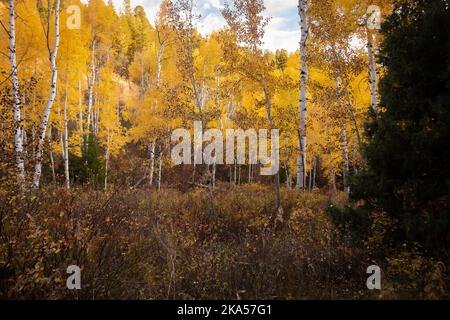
408 149
89 167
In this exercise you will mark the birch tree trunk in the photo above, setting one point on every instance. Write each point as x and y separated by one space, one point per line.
152 150
160 167
80 109
304 29
152 145
18 137
107 162
66 138
159 61
91 87
219 118
372 73
353 116
52 160
345 158
48 107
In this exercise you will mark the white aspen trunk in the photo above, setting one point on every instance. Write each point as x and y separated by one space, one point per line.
345 157
151 150
107 162
65 139
160 167
97 120
33 131
372 73
152 145
52 160
301 160
80 108
159 62
48 107
91 87
18 137
219 118
24 131
353 116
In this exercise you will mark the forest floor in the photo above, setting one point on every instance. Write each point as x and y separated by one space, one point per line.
144 244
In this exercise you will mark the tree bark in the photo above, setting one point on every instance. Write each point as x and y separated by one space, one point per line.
160 166
52 160
91 88
151 150
372 73
302 149
345 157
65 139
107 155
51 99
18 137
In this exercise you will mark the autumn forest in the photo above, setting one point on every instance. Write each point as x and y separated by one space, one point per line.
338 185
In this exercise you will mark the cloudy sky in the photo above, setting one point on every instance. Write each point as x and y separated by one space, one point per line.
282 31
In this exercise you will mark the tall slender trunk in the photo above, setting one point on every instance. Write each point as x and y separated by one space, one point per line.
372 73
219 118
345 157
302 149
80 110
160 166
52 160
66 138
18 137
353 117
48 107
159 62
107 155
151 150
91 87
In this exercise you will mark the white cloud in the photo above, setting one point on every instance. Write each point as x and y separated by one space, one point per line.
282 31
211 23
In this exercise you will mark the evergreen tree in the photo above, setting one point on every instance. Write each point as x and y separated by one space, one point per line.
89 167
408 173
